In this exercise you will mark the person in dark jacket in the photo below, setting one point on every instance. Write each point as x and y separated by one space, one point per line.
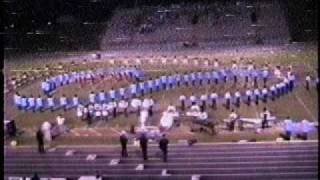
144 145
35 176
124 142
163 145
40 141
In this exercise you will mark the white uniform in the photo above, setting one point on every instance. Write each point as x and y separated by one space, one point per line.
92 97
17 99
50 102
63 101
112 94
75 100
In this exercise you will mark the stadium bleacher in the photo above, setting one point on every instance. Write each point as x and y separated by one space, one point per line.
263 160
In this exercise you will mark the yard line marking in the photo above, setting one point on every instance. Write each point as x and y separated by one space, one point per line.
304 106
116 131
95 132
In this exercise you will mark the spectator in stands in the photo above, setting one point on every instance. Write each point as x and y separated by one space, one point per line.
124 141
163 145
144 145
40 141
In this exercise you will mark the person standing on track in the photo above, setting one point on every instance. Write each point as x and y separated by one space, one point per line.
124 142
163 145
40 141
144 146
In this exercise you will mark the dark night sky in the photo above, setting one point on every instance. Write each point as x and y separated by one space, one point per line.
23 16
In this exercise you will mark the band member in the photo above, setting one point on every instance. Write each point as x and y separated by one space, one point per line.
227 97
182 99
308 80
214 97
238 96
248 94
203 99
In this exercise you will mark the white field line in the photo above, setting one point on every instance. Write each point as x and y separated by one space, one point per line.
231 153
304 106
213 163
95 132
116 131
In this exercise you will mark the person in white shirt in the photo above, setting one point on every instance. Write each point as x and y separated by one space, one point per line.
277 72
158 84
105 112
193 99
142 89
194 111
122 92
102 96
164 82
216 63
136 105
150 85
265 116
39 103
80 112
273 92
248 94
151 104
265 94
46 129
237 96
45 87
167 119
171 107
92 97
113 106
143 118
265 75
182 100
200 77
203 99
291 81
208 77
123 106
278 90
227 97
133 88
305 128
145 104
214 97
51 103
32 103
308 81
63 102
112 93
17 100
97 111
257 95
193 78
186 79
233 117
75 100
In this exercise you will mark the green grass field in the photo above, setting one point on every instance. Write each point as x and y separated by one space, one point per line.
300 104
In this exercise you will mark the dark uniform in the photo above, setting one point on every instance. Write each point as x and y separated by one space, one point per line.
163 145
40 141
144 146
124 141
